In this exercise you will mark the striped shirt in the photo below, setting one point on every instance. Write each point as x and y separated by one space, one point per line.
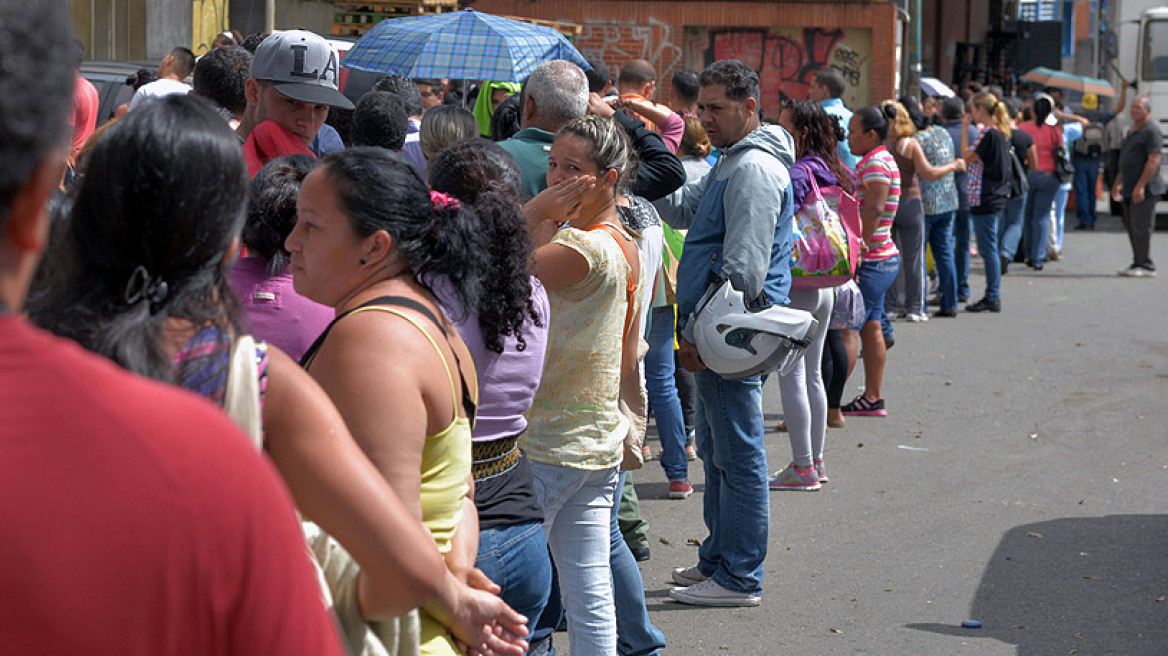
878 167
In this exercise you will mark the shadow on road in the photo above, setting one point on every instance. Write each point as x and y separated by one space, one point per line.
1091 585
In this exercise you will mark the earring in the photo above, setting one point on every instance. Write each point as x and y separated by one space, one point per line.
362 260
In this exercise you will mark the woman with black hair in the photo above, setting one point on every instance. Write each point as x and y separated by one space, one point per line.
1044 185
507 338
879 196
805 402
274 311
142 279
369 240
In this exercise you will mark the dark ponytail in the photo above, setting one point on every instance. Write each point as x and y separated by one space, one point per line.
381 191
271 210
155 215
872 118
480 172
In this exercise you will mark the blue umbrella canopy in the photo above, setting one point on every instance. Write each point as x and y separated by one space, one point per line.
466 45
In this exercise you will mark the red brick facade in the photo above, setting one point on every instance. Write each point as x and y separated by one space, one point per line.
784 41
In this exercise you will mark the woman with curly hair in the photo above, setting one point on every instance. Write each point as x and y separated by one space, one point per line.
507 338
805 403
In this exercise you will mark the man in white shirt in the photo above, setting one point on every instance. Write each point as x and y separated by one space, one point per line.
171 72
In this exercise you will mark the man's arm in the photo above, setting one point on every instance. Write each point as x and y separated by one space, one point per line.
753 203
659 173
1151 167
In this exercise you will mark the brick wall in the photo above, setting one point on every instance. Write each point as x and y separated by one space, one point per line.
785 38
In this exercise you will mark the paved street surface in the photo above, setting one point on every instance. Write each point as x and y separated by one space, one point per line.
1020 480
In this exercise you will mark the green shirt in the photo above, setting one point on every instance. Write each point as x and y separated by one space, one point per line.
530 148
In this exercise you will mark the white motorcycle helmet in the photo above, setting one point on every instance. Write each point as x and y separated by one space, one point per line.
737 343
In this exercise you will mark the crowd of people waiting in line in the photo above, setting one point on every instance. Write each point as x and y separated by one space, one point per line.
444 329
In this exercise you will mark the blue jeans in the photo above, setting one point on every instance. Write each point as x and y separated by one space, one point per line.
516 557
985 226
736 503
961 232
1060 213
1010 228
636 635
939 233
1039 203
1086 175
663 399
874 279
577 507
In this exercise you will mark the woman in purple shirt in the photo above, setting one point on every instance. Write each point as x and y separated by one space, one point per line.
508 340
275 312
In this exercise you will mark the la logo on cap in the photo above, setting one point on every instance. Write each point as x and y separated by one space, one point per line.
300 54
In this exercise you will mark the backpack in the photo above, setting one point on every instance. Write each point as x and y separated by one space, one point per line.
1019 185
1091 143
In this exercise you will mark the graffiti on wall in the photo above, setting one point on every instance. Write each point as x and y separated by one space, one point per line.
786 59
615 44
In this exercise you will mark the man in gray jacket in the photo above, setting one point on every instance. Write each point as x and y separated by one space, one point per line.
740 228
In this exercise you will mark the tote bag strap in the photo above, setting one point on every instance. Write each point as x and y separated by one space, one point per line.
241 399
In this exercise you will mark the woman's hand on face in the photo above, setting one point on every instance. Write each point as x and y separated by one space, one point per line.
561 201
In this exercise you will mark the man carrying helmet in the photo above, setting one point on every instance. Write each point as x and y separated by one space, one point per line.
740 229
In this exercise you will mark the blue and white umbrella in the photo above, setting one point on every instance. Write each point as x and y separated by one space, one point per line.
464 45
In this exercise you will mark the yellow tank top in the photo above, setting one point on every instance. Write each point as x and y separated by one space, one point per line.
446 467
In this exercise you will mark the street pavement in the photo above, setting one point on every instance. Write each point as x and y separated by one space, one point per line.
1020 480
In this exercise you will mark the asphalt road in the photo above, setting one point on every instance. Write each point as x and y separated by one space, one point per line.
1033 496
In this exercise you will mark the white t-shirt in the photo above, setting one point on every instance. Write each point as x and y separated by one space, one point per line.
158 89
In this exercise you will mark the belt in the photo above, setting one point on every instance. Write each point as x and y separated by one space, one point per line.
495 457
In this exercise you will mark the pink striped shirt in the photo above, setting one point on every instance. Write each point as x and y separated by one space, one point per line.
878 167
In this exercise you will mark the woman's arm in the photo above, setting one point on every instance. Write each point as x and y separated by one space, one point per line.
335 485
875 195
967 153
925 169
558 266
1032 158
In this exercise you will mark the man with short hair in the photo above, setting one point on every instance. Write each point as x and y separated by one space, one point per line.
431 92
379 120
826 88
147 522
293 84
171 72
637 85
685 93
411 98
740 220
221 77
555 93
1138 186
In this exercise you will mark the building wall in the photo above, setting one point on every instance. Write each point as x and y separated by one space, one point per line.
785 42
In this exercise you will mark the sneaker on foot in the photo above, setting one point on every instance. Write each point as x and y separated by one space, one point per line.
985 305
691 452
646 453
1137 272
709 593
680 489
917 317
866 407
687 576
791 480
821 471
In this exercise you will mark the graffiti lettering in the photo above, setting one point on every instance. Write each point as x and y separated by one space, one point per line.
786 58
621 43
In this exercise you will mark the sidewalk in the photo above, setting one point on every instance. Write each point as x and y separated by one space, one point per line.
1032 496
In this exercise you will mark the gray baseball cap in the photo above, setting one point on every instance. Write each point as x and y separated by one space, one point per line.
302 66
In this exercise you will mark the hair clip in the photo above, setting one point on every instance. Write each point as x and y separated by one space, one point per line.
141 286
444 201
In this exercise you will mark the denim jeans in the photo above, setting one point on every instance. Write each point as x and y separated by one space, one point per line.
939 231
1010 227
577 523
1058 223
1039 203
1086 176
985 226
961 233
664 401
636 635
874 278
736 503
516 557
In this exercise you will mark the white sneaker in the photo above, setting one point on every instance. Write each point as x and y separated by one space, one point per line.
1137 272
709 593
687 576
917 317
